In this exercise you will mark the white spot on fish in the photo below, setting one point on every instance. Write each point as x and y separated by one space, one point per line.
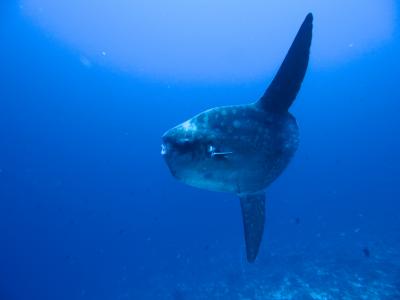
189 126
186 125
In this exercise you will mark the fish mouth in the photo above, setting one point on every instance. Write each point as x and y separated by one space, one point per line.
167 154
164 149
165 144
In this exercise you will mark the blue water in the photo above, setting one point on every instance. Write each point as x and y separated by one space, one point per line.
88 209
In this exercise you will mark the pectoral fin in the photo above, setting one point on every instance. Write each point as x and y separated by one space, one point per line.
253 213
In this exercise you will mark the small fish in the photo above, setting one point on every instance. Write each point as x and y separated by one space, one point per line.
366 252
221 154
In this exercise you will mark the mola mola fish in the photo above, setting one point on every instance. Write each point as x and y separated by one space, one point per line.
242 149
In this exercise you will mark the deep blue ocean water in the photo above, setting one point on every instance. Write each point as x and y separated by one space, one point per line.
89 210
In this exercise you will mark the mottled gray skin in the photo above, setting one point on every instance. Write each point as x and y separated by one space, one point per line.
259 145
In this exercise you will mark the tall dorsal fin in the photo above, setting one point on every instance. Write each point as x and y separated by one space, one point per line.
283 89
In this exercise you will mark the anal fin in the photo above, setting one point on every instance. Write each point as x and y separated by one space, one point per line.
253 213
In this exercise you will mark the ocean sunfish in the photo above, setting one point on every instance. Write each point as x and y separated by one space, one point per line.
242 149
